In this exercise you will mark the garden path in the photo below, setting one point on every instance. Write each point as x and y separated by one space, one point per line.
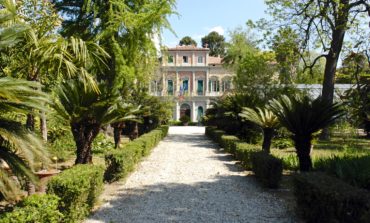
185 179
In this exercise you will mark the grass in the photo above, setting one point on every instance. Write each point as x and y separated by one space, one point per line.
336 147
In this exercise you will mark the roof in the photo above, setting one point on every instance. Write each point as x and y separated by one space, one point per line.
215 60
187 48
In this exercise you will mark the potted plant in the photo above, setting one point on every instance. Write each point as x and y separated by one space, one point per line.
185 120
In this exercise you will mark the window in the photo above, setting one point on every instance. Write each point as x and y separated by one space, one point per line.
214 85
226 84
185 59
200 59
200 87
170 59
170 87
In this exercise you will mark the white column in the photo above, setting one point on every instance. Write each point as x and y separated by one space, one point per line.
194 85
176 84
176 62
193 59
207 79
194 113
177 111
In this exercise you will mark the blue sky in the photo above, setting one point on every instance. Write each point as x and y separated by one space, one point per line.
198 17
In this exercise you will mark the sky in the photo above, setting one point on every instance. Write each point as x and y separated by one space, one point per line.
199 17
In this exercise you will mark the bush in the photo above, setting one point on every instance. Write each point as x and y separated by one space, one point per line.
243 153
121 162
210 131
185 119
321 198
78 187
35 208
352 169
282 143
267 168
227 142
217 135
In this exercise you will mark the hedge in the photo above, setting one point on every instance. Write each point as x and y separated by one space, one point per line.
267 168
322 198
78 189
243 153
35 208
122 161
227 142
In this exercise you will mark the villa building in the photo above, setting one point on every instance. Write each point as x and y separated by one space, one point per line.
191 79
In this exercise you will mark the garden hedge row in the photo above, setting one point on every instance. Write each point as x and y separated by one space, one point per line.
78 189
322 198
35 208
120 162
267 168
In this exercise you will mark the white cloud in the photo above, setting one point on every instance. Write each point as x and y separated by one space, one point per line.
218 29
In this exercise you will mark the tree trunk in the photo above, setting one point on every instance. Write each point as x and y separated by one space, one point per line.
118 127
267 137
30 122
43 126
303 149
135 132
336 45
84 134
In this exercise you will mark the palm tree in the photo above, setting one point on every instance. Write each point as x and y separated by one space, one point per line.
19 148
303 117
87 111
266 120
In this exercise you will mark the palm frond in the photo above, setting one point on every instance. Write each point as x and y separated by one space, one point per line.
264 118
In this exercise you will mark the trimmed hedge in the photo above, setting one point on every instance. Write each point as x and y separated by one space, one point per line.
227 142
78 188
243 153
35 208
122 161
322 198
267 168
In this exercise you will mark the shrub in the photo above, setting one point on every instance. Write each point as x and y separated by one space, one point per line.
35 208
352 169
121 162
185 119
282 143
78 187
227 142
210 131
321 198
243 153
267 168
217 135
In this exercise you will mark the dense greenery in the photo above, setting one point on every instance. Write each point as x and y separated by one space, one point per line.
78 189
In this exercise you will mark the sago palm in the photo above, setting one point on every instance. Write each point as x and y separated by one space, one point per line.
266 120
87 111
19 148
303 117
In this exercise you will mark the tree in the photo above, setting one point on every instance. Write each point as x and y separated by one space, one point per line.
303 117
285 44
321 23
215 42
87 111
19 148
187 41
264 119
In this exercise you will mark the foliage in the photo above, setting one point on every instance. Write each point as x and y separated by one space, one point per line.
187 41
352 169
268 169
303 117
321 198
215 42
78 189
35 208
228 141
243 152
285 44
185 119
121 162
264 119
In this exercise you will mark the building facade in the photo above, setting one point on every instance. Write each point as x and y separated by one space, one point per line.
191 79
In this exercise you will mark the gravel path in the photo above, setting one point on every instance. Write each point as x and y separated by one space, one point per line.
186 179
